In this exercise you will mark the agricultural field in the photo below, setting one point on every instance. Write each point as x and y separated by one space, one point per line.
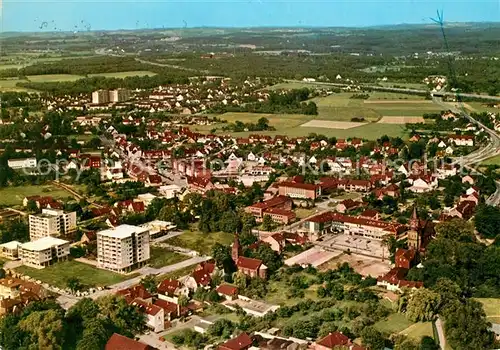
121 75
293 126
13 196
48 78
10 85
58 274
480 107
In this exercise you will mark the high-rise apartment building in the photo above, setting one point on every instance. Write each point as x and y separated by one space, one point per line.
119 95
51 223
100 96
122 248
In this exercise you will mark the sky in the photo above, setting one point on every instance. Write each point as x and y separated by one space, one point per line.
43 15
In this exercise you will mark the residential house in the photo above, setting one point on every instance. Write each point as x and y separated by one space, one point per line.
155 315
170 290
120 342
241 342
227 291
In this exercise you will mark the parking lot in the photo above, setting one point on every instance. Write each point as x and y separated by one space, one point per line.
355 244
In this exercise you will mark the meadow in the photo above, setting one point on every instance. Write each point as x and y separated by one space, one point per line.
49 78
12 196
58 274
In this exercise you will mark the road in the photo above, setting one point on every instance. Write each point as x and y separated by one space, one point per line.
440 331
401 90
66 301
490 150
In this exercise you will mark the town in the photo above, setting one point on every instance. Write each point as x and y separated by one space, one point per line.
248 212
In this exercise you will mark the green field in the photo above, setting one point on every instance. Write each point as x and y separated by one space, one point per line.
48 78
201 242
492 161
491 306
480 107
11 196
290 125
177 273
394 323
419 330
10 85
162 257
121 75
57 274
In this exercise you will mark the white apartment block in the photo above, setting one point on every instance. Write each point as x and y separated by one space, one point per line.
43 252
51 222
22 163
122 248
100 96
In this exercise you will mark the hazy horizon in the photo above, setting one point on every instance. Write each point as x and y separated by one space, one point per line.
82 15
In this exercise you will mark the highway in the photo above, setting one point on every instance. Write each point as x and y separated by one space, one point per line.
490 150
401 90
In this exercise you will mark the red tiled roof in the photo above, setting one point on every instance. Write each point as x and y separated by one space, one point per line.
334 339
168 286
248 263
273 202
120 342
201 277
226 289
135 292
310 187
241 342
145 307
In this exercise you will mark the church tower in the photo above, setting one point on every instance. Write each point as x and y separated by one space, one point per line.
414 232
236 248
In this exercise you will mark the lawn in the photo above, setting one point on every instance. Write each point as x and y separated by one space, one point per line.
57 274
491 306
121 75
163 257
492 161
177 273
304 213
419 330
395 323
11 196
48 78
201 242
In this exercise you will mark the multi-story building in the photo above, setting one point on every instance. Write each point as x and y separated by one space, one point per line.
51 222
100 96
43 252
119 95
122 248
299 190
352 225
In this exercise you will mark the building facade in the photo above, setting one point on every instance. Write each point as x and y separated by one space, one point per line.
43 252
122 248
22 163
51 223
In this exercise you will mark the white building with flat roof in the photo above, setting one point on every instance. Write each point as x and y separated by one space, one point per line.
43 252
22 163
10 249
51 222
100 96
122 248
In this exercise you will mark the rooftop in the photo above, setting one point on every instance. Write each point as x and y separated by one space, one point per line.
122 231
11 245
43 243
